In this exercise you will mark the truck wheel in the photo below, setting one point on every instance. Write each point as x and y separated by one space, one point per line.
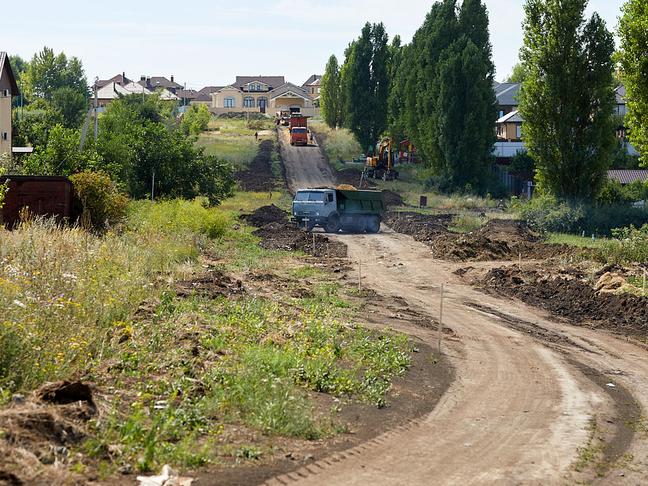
373 225
332 224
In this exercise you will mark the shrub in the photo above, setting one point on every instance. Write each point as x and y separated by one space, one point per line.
102 204
545 213
630 245
179 216
195 120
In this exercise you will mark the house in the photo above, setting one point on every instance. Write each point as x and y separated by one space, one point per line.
313 86
119 79
626 177
8 89
509 125
110 92
507 97
136 88
186 96
204 95
261 94
160 82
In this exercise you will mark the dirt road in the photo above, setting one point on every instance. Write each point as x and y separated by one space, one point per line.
534 401
307 167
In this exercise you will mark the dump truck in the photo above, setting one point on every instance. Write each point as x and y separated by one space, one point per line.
298 127
338 209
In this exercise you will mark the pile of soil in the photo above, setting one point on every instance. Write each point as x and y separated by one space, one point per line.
259 176
352 177
572 298
393 199
277 233
496 240
211 285
38 431
266 215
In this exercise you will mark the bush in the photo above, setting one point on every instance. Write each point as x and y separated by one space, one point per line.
545 213
630 245
195 120
101 203
179 216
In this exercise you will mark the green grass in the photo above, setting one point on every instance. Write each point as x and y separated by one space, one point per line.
576 241
233 139
339 145
174 371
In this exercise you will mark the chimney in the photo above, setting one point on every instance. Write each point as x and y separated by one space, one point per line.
142 78
172 79
124 76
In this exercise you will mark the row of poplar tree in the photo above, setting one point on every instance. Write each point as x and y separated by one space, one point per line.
437 91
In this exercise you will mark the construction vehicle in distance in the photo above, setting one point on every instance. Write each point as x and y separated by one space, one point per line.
380 165
298 126
338 209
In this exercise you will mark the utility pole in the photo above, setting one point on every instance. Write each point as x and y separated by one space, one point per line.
96 114
153 186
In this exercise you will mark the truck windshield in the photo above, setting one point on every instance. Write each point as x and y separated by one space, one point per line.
310 196
299 130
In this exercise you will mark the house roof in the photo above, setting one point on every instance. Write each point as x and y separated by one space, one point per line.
112 91
207 90
271 81
203 97
136 88
119 79
620 93
628 176
314 80
513 117
507 93
5 70
188 94
287 88
166 95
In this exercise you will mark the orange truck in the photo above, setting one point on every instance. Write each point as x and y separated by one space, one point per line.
298 130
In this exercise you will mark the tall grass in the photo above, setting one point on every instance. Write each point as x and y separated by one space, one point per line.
66 294
339 145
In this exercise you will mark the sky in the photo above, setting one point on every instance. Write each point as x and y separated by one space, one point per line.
206 43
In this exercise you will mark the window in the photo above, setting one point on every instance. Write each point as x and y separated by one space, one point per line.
229 103
5 136
518 131
248 102
262 102
6 93
501 113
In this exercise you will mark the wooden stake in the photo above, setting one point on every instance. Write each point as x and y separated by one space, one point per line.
440 331
644 281
314 244
359 274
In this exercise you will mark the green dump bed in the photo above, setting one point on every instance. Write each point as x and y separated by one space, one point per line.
360 202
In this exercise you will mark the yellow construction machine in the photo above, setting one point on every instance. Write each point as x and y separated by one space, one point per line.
380 165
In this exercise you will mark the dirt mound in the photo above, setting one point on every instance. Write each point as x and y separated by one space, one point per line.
393 199
288 237
352 177
64 392
572 298
212 285
259 176
266 215
496 240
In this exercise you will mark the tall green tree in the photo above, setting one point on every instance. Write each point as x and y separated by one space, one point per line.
71 104
518 75
366 85
567 98
330 93
633 30
47 72
466 103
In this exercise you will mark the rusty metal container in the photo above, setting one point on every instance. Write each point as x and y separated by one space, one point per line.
50 196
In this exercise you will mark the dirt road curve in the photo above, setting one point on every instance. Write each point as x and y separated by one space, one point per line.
306 166
531 400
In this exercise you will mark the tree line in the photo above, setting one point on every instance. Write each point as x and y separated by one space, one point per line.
438 92
143 144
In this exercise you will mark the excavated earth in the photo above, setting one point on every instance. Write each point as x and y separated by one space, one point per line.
277 233
571 296
496 240
259 176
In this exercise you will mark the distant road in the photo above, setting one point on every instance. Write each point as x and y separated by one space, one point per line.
306 167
